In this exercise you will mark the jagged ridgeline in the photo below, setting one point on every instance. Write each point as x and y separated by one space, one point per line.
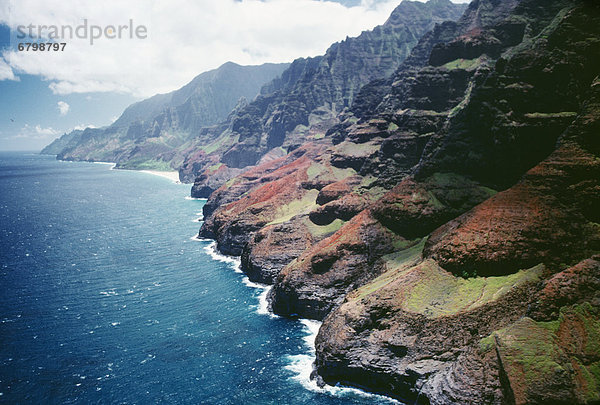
445 227
209 128
305 101
149 133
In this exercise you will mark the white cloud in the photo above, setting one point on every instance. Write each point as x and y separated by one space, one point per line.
63 107
6 72
45 131
81 127
37 132
184 38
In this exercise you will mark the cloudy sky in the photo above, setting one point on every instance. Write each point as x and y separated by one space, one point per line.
43 94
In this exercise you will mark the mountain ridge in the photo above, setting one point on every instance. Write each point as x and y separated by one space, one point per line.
311 93
164 121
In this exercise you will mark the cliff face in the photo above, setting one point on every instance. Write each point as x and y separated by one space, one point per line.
445 229
149 133
305 101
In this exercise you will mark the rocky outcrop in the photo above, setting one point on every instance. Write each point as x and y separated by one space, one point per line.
575 285
549 216
316 282
273 247
415 209
274 197
551 362
414 333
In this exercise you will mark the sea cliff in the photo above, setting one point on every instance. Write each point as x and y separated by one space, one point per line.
445 229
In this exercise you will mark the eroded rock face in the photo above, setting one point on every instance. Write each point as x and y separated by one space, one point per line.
211 179
344 208
273 247
414 209
546 218
416 328
317 281
337 190
515 229
305 101
575 285
234 224
551 362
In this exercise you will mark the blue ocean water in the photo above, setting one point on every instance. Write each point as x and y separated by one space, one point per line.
105 297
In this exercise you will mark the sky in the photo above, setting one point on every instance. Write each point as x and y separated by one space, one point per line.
165 45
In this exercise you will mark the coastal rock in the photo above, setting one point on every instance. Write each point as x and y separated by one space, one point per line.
317 281
393 331
211 179
414 332
234 223
447 227
273 247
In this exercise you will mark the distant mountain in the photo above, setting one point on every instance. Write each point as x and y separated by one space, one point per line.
60 144
161 123
306 99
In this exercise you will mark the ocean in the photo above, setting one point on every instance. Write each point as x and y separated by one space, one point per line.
106 296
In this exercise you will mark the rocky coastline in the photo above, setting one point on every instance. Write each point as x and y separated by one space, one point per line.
446 229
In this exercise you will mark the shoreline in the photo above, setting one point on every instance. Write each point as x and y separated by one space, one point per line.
172 175
302 365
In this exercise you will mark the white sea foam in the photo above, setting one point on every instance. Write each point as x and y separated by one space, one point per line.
149 357
302 366
262 308
211 250
111 164
195 199
196 238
